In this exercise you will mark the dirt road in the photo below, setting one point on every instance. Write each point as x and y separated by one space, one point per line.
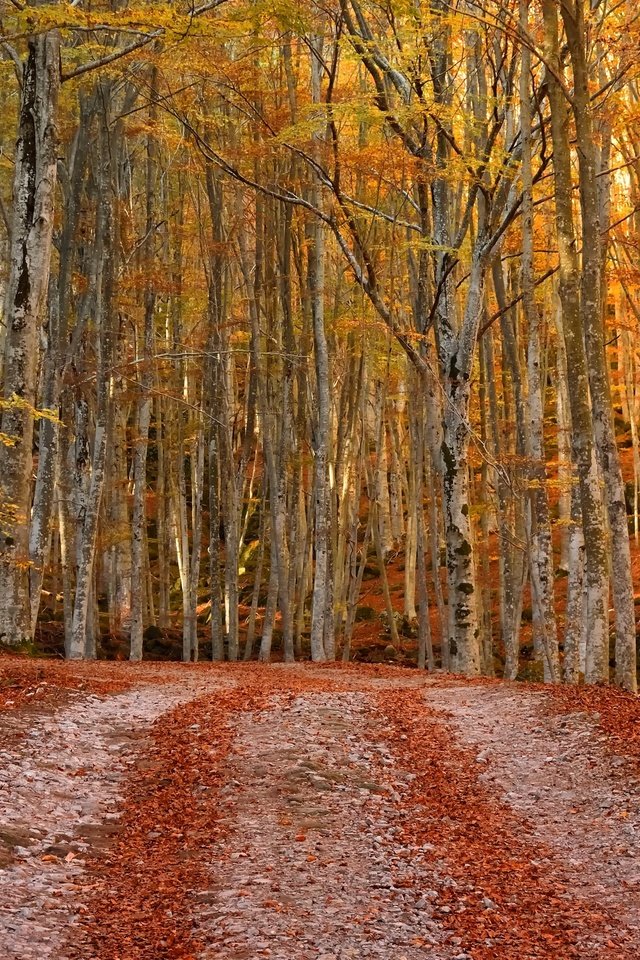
283 812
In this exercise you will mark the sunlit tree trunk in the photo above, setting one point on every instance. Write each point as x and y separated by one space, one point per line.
591 304
593 519
322 638
539 519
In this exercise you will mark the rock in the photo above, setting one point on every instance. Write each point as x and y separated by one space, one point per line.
365 613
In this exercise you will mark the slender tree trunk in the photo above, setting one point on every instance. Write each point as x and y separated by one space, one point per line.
270 611
322 583
143 418
540 542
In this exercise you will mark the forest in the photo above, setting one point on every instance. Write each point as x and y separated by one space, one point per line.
319 479
297 296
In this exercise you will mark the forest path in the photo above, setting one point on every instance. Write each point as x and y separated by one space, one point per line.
296 812
577 798
62 776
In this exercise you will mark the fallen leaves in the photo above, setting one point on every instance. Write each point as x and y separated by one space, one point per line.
141 905
504 897
615 712
143 897
486 851
25 681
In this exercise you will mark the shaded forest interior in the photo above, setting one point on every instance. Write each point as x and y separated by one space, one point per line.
319 333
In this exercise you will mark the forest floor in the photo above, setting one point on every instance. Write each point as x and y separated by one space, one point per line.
168 811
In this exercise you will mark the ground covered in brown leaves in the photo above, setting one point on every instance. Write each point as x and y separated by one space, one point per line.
167 812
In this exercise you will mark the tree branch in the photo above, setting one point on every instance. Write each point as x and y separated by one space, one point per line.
136 45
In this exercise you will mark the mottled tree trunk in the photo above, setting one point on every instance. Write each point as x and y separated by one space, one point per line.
593 519
30 257
539 518
81 643
144 405
591 304
322 646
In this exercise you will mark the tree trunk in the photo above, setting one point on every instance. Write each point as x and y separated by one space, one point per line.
31 240
591 304
144 406
593 520
539 518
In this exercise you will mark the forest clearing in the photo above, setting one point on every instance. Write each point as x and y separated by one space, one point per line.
166 811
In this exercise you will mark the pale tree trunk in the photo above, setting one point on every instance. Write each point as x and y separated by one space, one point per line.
464 632
43 494
434 543
384 581
187 525
81 643
539 519
593 520
513 568
257 585
55 331
348 479
382 471
213 396
190 603
355 567
575 549
591 303
322 645
355 584
231 491
139 513
456 342
144 406
575 588
396 478
412 486
119 523
162 525
217 630
631 395
270 611
486 635
511 555
274 442
64 493
232 505
425 644
565 468
26 293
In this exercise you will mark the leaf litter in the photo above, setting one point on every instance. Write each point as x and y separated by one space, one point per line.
294 812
